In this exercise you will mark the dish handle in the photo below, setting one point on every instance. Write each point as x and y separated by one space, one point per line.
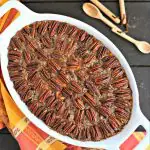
143 121
24 14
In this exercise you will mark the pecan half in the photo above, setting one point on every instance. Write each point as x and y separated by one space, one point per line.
102 79
54 65
88 58
111 63
122 114
58 82
79 116
123 82
49 100
41 54
61 109
34 30
15 76
54 28
60 126
44 30
83 36
62 29
32 75
27 95
105 111
106 128
91 87
75 132
95 69
123 104
15 53
87 133
91 115
33 106
45 73
43 114
32 66
117 72
45 95
39 111
69 127
79 103
16 44
51 118
62 76
54 85
114 122
75 87
89 99
102 52
66 92
46 42
27 56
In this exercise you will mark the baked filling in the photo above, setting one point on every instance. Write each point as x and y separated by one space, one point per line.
70 80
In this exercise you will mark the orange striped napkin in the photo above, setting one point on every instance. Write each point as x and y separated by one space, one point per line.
26 133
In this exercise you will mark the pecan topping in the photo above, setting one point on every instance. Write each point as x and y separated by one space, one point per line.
70 80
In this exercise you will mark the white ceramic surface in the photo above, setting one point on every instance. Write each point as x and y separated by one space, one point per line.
27 17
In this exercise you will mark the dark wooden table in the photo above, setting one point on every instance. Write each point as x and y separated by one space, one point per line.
139 22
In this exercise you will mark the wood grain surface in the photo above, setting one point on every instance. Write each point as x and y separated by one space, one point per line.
138 12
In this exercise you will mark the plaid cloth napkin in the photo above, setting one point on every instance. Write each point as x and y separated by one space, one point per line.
26 133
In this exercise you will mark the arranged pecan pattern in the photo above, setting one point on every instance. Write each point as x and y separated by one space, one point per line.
70 80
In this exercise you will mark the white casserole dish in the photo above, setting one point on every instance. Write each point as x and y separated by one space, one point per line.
27 17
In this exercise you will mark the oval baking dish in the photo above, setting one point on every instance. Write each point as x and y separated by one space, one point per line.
27 17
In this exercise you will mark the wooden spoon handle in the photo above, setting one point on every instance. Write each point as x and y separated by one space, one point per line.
123 12
109 23
125 36
117 30
106 11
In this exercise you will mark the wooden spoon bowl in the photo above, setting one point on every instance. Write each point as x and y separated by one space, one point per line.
143 46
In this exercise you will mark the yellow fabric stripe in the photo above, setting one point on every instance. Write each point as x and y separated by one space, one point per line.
44 145
4 19
139 135
14 114
2 2
20 126
148 147
57 145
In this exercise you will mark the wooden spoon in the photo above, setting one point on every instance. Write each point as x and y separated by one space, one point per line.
92 11
106 11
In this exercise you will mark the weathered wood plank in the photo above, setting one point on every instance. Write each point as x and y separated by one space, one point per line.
7 142
138 24
142 76
35 1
